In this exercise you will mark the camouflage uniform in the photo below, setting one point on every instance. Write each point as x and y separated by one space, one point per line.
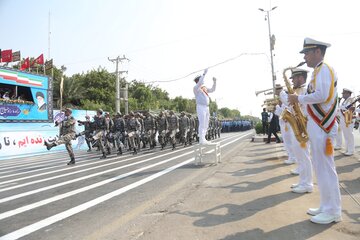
149 130
163 127
119 132
184 127
173 127
88 130
192 132
100 129
67 133
133 128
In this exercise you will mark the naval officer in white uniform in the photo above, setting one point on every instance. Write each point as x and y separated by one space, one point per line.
202 105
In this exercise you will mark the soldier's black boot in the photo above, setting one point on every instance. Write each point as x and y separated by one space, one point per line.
119 152
143 146
173 146
135 151
108 151
49 145
103 156
72 161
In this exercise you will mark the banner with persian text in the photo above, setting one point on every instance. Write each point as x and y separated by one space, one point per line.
26 139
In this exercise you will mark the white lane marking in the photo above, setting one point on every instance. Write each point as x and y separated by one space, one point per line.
82 207
70 169
74 180
83 189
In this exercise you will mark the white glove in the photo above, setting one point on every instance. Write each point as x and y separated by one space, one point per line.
214 79
284 98
205 71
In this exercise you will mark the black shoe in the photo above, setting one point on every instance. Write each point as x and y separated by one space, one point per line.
103 156
278 141
72 161
49 145
173 146
267 142
135 151
119 152
89 150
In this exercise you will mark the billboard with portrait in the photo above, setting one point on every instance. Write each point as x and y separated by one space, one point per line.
25 96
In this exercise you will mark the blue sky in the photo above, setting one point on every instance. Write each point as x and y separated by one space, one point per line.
167 39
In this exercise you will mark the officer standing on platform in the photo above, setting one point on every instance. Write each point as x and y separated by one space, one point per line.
321 104
202 105
67 133
347 130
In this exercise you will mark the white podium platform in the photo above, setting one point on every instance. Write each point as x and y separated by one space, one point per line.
213 151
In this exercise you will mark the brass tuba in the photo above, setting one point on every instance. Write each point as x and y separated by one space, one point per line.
297 119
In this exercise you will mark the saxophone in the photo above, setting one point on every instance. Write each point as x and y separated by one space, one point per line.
348 114
297 119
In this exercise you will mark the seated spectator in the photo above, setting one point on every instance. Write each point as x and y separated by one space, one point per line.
6 95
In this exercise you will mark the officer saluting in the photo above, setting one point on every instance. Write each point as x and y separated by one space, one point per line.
67 133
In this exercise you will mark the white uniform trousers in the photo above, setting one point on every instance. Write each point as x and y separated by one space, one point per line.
203 115
324 166
338 138
304 163
287 138
348 135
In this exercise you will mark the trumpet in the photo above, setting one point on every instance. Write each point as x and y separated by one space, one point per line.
258 92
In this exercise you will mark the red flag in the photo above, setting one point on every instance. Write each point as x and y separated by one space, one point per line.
6 55
26 64
40 59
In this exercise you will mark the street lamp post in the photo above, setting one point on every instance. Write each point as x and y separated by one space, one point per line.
272 42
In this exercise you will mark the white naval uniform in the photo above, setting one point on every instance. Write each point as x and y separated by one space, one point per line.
320 93
202 106
286 133
339 135
357 111
302 154
347 131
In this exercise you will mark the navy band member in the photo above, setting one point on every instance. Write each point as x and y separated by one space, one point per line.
321 106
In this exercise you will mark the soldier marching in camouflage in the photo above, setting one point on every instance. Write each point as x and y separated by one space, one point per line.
173 128
119 132
140 136
184 127
192 130
163 128
108 138
67 133
133 128
128 131
149 130
89 128
100 129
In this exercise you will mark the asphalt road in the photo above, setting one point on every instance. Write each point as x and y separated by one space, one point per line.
43 198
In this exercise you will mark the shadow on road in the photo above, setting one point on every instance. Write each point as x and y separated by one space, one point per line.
236 212
303 230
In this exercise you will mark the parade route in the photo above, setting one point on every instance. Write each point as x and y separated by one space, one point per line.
164 195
